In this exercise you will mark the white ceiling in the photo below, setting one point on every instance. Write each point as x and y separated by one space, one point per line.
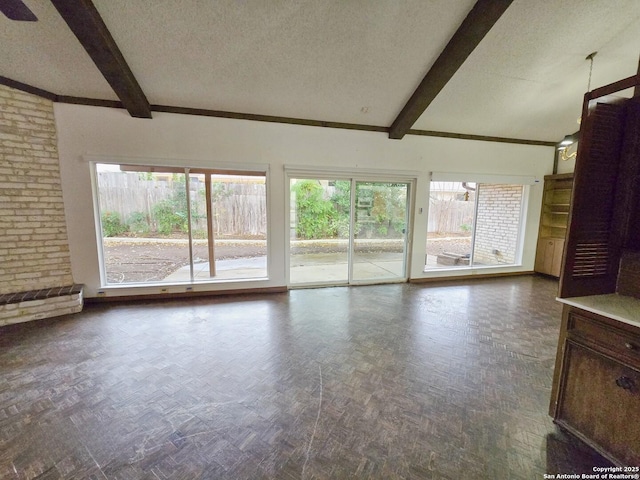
46 54
351 61
528 75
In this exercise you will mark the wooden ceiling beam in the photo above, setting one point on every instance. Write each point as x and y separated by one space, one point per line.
85 22
483 15
17 10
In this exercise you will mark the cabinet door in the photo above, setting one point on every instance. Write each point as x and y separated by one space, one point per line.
600 401
556 257
549 256
544 255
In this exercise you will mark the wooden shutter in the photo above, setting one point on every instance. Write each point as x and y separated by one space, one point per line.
594 237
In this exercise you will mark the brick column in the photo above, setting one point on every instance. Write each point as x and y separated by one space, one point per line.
34 250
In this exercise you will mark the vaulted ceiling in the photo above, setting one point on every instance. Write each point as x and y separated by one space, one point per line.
509 69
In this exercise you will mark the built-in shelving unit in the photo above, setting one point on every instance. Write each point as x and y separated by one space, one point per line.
554 220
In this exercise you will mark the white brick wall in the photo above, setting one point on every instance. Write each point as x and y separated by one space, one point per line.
34 251
498 223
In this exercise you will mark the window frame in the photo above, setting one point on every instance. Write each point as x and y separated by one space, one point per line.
156 165
520 180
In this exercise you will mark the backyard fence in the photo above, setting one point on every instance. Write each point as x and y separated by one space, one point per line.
450 216
238 204
242 212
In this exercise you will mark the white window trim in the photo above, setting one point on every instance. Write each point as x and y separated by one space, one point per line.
484 178
170 287
525 180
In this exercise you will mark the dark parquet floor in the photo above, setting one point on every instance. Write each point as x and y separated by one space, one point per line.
442 381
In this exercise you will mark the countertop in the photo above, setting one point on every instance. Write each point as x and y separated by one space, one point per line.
619 307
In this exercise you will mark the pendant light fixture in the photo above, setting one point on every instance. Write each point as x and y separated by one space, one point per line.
569 140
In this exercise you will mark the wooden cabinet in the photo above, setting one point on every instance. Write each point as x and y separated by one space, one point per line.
553 223
597 394
549 256
596 387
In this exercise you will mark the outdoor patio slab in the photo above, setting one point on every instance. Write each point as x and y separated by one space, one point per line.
305 269
239 268
338 272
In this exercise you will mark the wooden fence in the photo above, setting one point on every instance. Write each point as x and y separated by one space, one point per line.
238 206
239 203
450 216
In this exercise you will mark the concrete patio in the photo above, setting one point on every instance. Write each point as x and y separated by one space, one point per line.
315 268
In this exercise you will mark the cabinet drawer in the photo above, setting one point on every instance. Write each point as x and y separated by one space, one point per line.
600 401
606 338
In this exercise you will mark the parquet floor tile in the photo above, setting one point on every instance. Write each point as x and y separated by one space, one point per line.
438 381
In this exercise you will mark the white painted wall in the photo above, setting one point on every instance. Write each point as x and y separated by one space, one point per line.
207 142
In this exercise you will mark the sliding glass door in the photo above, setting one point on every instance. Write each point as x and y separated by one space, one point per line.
347 231
380 233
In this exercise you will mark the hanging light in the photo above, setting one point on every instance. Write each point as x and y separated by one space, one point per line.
569 140
566 141
565 146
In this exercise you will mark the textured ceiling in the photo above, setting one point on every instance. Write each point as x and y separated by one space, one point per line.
322 60
529 73
348 61
45 54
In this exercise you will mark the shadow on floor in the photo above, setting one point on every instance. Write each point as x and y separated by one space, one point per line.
568 455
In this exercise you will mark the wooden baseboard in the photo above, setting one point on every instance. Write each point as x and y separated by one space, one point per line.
180 295
469 277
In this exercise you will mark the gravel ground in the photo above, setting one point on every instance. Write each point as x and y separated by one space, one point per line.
152 261
460 246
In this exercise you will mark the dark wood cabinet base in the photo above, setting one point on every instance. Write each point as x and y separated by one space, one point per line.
597 384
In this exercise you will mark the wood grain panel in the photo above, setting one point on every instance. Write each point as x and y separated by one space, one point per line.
601 401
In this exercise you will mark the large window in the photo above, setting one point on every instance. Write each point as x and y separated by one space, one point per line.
161 224
474 224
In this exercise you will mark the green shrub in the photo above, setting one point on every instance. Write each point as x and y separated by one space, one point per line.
138 223
112 225
315 215
167 218
383 230
341 200
171 215
341 225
